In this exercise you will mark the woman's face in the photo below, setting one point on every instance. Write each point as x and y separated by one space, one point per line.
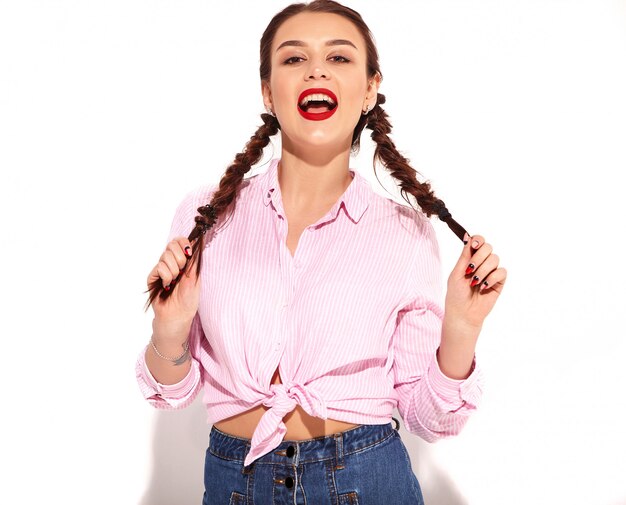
319 50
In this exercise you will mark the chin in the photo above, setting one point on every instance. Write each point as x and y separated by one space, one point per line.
318 141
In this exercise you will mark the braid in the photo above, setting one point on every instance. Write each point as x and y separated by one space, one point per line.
223 199
400 169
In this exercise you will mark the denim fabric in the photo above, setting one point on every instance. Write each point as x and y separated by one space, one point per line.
365 465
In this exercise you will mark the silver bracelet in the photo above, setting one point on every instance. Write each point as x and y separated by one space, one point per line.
177 361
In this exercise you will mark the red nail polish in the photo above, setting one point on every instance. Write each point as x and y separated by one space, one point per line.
188 251
167 288
475 280
470 269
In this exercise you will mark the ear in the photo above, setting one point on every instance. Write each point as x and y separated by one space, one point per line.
267 95
372 90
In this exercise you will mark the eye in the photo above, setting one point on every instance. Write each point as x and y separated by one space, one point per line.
337 58
288 61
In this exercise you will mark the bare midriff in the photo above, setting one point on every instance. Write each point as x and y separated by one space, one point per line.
300 425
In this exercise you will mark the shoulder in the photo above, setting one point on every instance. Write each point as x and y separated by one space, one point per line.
187 208
198 196
404 221
201 195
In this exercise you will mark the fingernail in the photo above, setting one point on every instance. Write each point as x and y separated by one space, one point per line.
188 251
470 269
466 238
475 244
475 280
484 285
167 288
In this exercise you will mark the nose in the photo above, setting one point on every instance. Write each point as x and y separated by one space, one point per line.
317 70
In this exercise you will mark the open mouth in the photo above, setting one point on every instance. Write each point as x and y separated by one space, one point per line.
317 104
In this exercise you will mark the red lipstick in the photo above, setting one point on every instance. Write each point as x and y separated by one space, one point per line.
321 115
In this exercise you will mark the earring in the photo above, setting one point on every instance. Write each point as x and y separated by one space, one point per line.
270 111
366 111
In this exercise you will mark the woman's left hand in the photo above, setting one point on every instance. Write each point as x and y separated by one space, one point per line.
474 284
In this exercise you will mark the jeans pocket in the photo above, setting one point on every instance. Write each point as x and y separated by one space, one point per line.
237 498
350 498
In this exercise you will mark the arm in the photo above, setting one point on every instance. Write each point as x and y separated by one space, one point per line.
432 404
474 286
163 383
182 393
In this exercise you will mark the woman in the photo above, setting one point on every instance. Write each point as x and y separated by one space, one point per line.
316 311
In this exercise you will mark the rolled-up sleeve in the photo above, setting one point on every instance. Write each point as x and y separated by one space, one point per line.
173 396
432 405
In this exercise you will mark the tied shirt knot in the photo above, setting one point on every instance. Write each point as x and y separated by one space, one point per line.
282 399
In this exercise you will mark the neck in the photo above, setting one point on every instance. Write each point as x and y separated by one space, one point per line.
315 180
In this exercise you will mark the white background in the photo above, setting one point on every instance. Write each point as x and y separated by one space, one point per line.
111 111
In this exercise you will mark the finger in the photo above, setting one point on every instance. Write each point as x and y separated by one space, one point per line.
478 258
167 268
163 272
168 258
466 254
177 249
465 265
477 241
185 246
494 280
487 266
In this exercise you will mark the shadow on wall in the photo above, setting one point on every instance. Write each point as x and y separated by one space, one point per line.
437 487
181 438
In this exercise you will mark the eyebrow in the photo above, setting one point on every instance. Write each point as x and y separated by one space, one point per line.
334 42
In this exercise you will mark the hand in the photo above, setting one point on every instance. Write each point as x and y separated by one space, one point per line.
474 284
173 316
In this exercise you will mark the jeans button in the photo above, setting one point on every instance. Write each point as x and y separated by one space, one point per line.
289 482
291 451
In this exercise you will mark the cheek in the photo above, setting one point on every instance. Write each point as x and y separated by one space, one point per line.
281 90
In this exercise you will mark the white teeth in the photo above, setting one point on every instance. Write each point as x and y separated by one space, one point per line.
317 97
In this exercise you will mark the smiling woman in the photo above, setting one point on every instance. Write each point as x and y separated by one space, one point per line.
304 343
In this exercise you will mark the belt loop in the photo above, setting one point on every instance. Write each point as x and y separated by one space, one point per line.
339 458
245 470
397 423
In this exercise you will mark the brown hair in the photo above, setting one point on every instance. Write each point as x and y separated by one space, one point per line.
377 120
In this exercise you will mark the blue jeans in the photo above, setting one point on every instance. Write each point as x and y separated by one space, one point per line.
365 465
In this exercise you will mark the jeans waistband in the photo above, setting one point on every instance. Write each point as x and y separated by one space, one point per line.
293 452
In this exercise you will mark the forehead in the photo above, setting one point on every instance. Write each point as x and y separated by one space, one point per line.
314 28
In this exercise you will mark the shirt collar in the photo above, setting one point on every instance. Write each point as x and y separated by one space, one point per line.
355 199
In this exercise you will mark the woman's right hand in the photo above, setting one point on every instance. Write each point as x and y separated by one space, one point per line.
174 315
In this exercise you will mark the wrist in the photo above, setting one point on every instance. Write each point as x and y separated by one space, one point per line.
170 333
457 330
174 352
457 349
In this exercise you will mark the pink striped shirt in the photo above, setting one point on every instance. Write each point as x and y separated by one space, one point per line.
352 320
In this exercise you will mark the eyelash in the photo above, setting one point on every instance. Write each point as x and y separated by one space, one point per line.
345 60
